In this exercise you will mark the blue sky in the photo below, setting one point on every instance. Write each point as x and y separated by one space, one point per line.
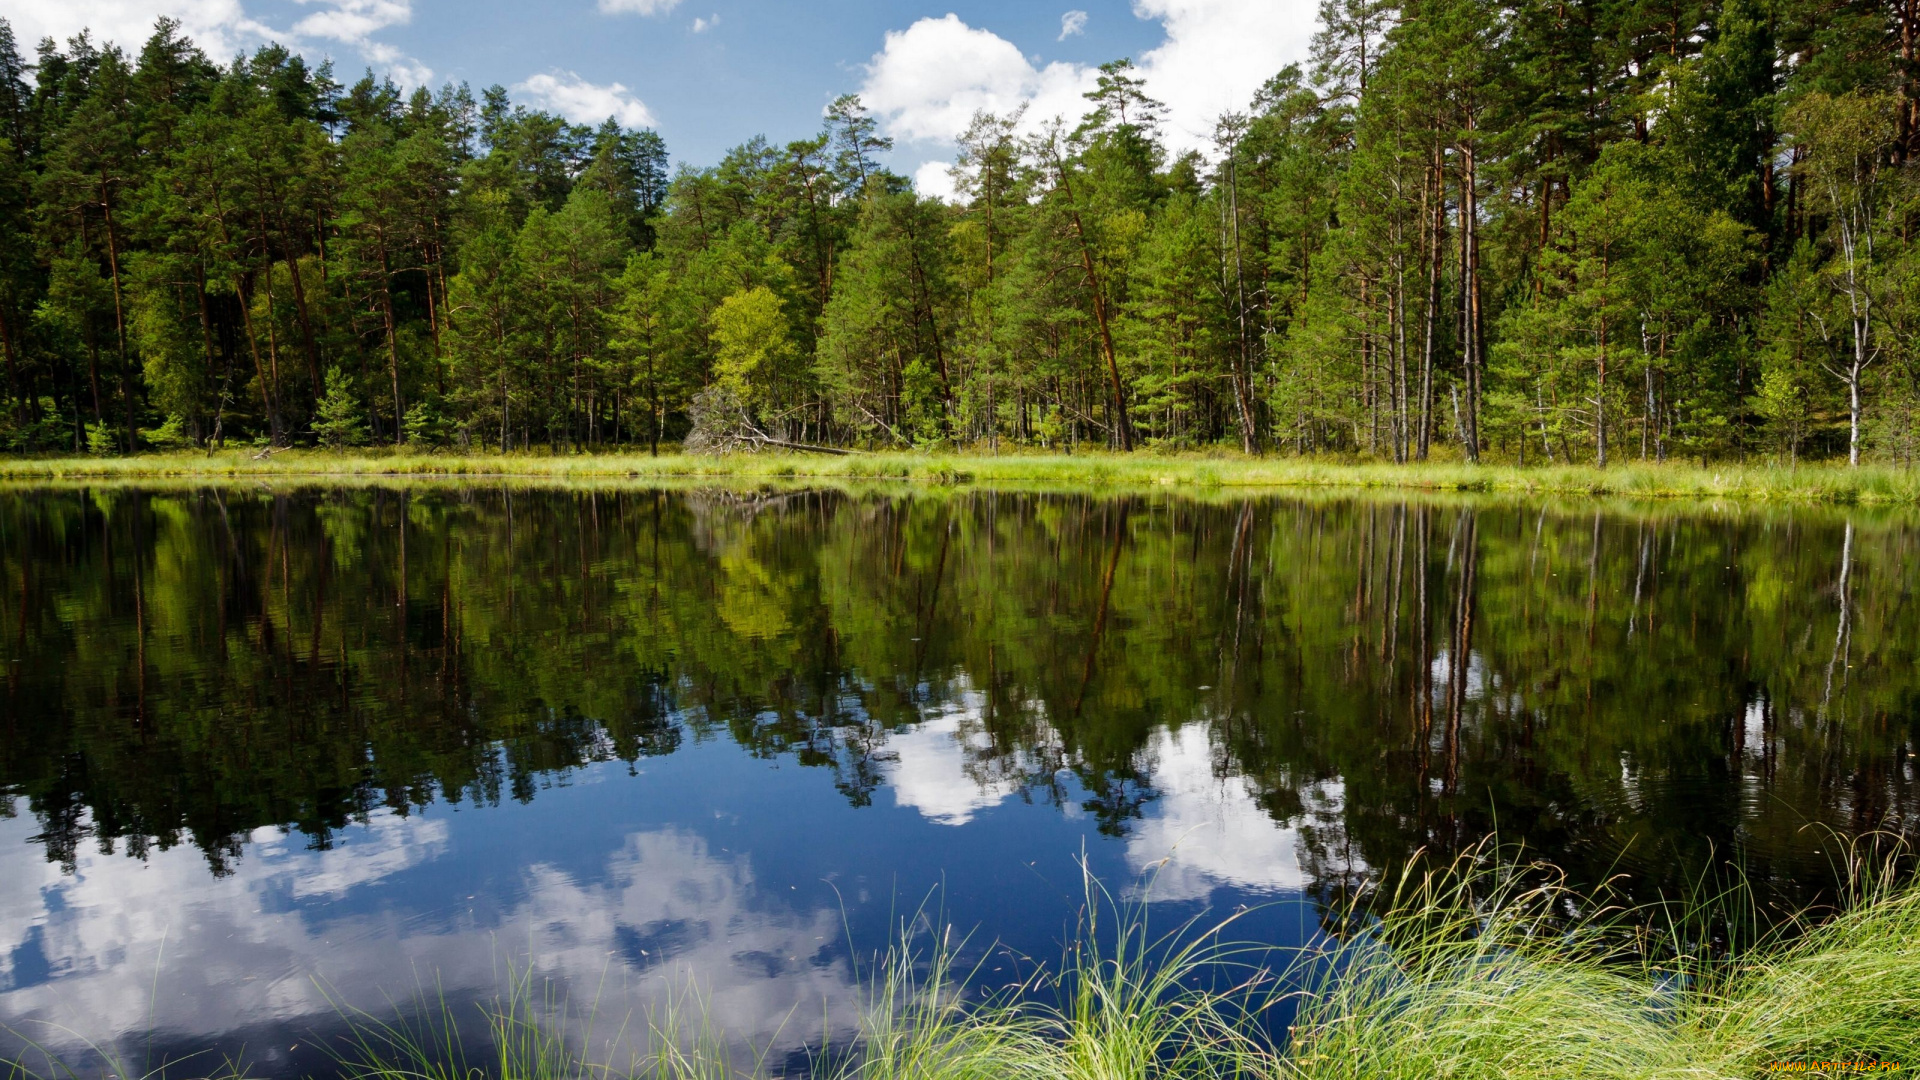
711 73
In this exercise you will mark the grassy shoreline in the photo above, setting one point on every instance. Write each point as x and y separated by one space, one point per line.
1873 485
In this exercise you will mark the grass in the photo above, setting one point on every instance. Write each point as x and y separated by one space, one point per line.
1531 979
1480 969
1824 483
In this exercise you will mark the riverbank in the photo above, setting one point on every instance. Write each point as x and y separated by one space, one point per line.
1874 484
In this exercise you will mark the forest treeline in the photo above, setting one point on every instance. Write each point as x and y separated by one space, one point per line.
1580 230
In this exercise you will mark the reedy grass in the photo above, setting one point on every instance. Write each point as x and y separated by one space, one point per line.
918 1023
1820 483
1847 991
1478 971
530 1034
527 1037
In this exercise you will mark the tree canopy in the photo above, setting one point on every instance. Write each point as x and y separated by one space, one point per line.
1539 232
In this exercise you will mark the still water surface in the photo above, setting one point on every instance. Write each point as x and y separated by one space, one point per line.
267 752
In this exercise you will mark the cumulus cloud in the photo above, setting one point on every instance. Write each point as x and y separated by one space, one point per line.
947 767
702 24
1072 24
582 102
927 80
1217 53
224 27
638 7
928 771
934 180
354 20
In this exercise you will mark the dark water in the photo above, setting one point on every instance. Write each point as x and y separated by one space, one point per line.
264 748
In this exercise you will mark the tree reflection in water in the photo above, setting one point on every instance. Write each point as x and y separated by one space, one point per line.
1668 682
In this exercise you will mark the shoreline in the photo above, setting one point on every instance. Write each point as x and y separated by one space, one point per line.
1820 484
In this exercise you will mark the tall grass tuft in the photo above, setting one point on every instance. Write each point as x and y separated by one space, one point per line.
1846 990
1133 1004
919 1024
526 1038
1485 971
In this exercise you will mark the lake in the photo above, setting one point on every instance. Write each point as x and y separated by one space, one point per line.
272 754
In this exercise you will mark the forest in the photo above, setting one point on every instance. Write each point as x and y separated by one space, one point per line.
1579 231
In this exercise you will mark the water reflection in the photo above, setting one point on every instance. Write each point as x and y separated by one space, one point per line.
378 735
275 945
1209 830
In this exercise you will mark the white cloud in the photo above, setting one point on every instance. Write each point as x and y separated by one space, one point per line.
224 28
1217 53
354 21
220 26
703 24
934 180
1072 24
947 766
927 80
582 102
638 7
929 773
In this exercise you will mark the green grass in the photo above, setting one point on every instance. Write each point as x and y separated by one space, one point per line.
1485 974
1873 484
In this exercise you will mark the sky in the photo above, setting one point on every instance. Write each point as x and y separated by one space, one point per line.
710 74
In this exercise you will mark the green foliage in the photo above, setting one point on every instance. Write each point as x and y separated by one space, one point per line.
1461 229
170 435
424 426
752 344
339 419
1781 402
41 432
101 440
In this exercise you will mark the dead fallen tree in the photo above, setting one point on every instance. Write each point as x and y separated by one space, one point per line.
723 424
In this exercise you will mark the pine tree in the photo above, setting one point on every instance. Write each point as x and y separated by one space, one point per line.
339 420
